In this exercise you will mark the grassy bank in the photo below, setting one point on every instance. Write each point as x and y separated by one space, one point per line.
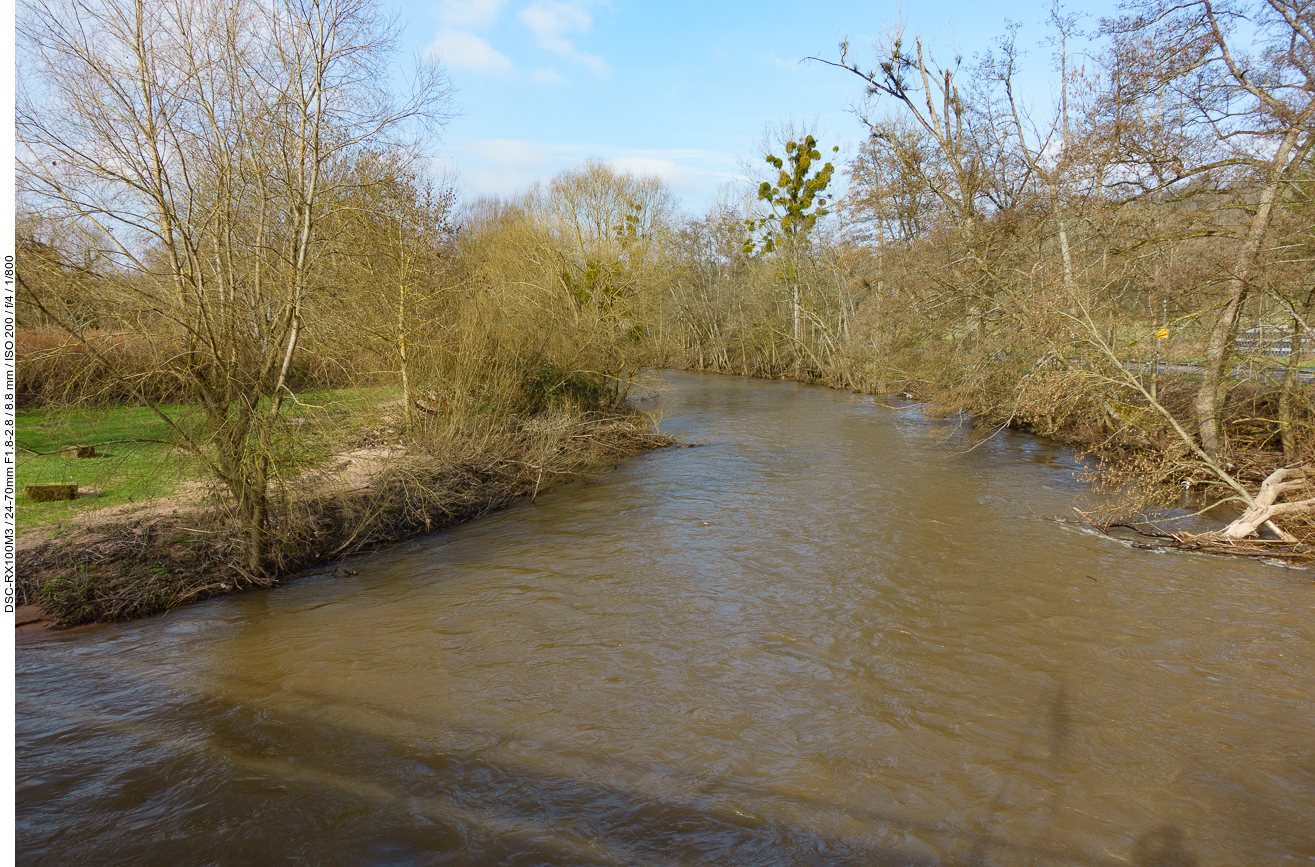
132 464
136 463
156 535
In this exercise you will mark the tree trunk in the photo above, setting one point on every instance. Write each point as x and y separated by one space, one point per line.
1209 402
409 418
795 331
257 518
1286 396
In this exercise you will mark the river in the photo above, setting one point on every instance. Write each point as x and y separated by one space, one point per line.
831 634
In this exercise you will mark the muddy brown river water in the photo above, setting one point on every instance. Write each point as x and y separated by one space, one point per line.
829 636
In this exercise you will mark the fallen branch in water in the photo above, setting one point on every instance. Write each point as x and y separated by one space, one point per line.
1105 526
1240 538
1265 508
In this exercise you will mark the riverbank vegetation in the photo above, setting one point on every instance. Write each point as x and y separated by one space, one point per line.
1129 269
240 282
229 216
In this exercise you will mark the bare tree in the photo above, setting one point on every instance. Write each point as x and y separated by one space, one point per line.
1180 73
398 224
890 199
195 142
933 102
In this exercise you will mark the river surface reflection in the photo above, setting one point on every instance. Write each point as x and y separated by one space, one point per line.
830 635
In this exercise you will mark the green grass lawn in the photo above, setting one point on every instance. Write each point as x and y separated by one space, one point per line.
129 472
121 472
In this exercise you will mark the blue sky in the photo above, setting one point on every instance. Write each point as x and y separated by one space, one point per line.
681 89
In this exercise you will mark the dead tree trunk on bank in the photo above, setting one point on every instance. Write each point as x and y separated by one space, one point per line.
1266 508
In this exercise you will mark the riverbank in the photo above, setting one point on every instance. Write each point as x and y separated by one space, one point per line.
134 560
1135 454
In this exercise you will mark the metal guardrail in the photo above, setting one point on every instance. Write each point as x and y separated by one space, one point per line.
1241 371
1193 368
1271 341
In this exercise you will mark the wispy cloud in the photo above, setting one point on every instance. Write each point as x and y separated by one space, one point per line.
462 49
548 76
507 166
669 171
470 13
508 152
551 20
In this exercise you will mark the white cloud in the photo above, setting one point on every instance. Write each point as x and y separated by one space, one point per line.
548 76
508 152
508 166
461 49
498 182
678 176
470 13
550 20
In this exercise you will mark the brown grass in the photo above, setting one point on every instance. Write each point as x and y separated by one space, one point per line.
107 368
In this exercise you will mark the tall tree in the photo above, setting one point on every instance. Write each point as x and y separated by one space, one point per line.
797 199
195 142
1230 86
931 98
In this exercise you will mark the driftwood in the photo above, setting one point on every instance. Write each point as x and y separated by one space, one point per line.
1265 508
1242 535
